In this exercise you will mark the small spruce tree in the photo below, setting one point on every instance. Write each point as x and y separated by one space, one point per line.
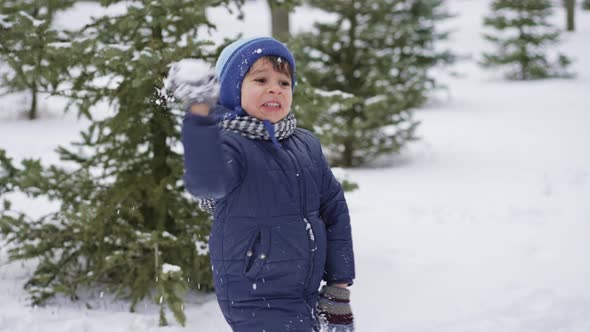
27 35
522 34
363 73
125 221
586 4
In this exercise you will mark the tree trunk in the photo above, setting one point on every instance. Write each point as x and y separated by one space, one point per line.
354 84
161 152
570 6
279 22
33 109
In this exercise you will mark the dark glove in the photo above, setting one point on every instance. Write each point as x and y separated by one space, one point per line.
334 309
192 81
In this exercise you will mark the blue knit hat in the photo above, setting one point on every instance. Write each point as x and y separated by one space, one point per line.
235 61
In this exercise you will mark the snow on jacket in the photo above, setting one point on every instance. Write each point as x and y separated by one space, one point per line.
281 224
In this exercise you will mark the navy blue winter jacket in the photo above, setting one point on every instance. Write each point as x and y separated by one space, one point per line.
281 224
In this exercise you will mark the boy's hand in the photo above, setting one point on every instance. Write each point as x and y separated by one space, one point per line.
334 308
193 81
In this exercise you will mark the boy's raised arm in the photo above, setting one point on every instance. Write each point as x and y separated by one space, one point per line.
212 167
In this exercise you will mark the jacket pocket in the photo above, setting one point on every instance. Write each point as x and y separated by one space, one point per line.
257 254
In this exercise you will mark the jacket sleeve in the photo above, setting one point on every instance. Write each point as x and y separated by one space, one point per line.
334 212
213 166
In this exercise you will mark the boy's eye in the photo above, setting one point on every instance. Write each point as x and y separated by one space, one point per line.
260 80
285 83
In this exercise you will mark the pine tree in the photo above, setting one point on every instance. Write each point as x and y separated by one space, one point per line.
364 73
522 34
586 4
26 48
125 221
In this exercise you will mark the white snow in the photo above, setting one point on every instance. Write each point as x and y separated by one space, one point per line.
169 268
202 248
481 226
333 93
3 23
169 236
83 12
36 23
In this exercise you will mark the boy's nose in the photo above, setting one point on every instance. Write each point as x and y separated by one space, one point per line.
274 88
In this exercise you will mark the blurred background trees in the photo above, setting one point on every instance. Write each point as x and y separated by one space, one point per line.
32 64
523 34
365 73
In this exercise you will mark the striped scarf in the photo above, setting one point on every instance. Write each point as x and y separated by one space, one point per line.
253 128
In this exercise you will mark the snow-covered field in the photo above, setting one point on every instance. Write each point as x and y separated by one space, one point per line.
479 227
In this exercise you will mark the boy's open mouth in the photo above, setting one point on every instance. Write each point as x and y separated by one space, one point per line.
272 105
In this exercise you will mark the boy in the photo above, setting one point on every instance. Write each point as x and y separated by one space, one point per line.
281 222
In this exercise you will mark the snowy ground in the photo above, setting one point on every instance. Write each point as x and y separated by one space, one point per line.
479 227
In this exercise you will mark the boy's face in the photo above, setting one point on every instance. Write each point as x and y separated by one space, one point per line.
266 93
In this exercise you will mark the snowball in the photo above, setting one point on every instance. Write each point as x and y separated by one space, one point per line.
187 69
